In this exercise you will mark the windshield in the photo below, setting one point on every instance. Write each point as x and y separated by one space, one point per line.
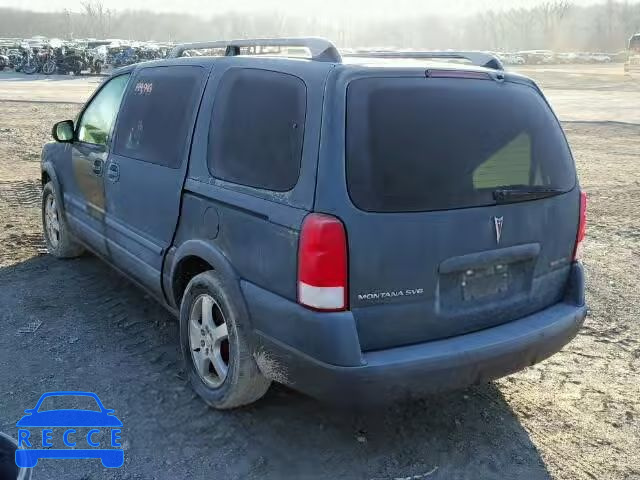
69 402
416 144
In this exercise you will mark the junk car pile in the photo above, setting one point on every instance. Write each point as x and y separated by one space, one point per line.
53 56
49 56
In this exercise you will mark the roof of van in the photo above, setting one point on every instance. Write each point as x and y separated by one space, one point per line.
321 50
347 62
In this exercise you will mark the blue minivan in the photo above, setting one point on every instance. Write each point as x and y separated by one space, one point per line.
363 229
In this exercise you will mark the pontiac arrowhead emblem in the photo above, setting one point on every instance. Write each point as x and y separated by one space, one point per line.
497 221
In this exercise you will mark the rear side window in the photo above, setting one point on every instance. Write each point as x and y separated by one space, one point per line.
416 144
157 114
257 129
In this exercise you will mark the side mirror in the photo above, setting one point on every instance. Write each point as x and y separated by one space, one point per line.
63 131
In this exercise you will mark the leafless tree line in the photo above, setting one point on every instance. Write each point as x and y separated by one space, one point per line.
560 25
554 24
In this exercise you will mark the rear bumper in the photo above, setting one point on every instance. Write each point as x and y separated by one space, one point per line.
319 354
419 370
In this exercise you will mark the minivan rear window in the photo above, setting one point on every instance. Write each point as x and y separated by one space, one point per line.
418 144
257 130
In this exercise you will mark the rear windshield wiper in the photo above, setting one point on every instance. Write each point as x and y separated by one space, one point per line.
521 194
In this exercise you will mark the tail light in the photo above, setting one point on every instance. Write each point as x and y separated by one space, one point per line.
457 74
582 227
322 263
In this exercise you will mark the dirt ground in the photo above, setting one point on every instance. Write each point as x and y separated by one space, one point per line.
47 88
77 325
592 93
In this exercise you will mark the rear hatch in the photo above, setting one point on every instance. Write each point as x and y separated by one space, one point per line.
463 206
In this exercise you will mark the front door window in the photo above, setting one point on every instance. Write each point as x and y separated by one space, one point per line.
98 118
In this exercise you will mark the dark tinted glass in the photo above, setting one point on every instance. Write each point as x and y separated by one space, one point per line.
257 129
417 144
157 113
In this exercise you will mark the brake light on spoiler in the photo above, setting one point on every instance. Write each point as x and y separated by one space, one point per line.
446 73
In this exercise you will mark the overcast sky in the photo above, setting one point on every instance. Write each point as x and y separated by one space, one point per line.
315 7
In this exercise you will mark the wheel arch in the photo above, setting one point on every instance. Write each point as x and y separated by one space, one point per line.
48 174
45 177
197 256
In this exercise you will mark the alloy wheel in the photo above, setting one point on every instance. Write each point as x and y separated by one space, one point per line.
52 221
209 340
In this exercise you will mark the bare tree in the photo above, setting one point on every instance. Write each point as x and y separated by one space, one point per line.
98 17
604 26
610 14
492 23
550 14
523 24
628 19
68 24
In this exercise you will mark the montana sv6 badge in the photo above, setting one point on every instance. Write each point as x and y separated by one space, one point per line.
409 292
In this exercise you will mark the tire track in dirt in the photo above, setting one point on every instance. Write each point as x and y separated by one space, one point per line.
548 443
30 241
19 196
578 377
21 193
126 313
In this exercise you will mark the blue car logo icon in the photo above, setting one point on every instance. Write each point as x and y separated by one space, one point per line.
83 429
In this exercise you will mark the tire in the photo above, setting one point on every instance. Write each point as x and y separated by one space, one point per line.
243 383
59 241
30 69
49 68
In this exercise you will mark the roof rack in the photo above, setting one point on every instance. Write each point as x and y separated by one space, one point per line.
479 59
321 50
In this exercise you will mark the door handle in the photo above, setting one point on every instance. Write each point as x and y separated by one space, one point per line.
97 167
113 172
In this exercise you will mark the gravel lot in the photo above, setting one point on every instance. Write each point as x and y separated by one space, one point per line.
575 416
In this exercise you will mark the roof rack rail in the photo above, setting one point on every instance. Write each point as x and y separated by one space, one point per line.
321 50
479 59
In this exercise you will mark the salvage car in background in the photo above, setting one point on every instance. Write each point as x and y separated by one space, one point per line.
632 65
